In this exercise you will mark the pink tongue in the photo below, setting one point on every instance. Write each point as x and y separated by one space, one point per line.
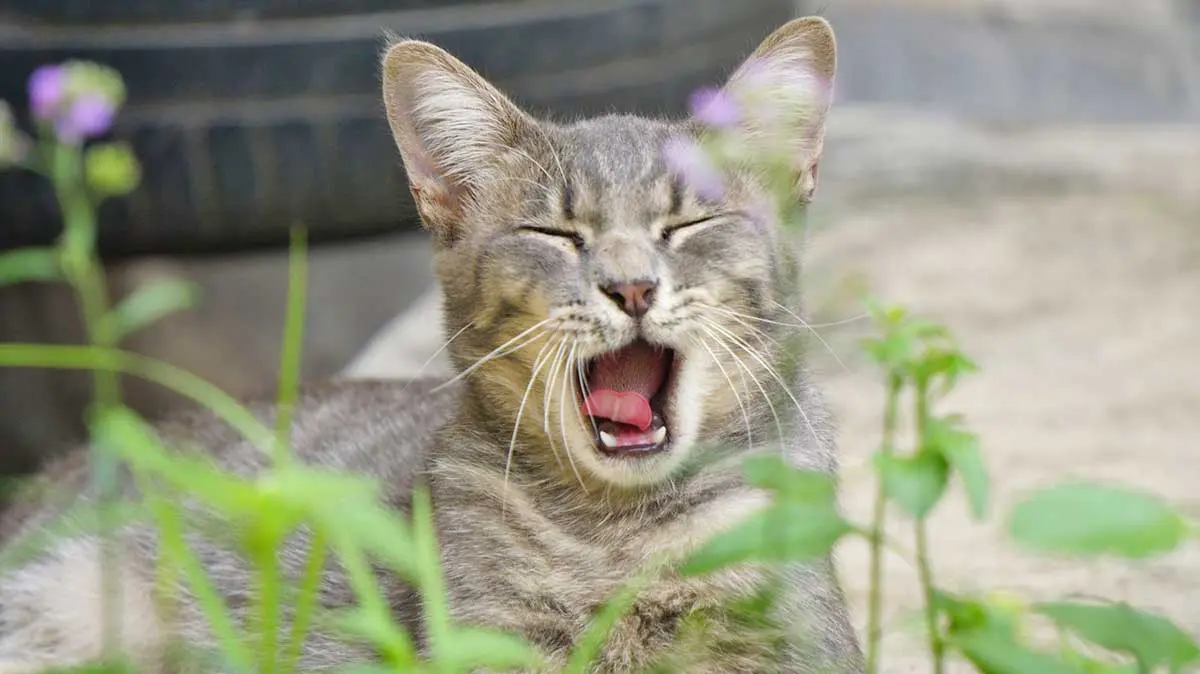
632 409
622 383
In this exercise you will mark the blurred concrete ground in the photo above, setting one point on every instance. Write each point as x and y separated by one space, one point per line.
1024 170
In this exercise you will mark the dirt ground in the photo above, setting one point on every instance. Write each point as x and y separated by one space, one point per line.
1067 261
1077 290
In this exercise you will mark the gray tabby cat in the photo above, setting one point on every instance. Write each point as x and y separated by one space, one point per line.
582 279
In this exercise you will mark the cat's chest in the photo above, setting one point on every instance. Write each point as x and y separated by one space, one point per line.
527 574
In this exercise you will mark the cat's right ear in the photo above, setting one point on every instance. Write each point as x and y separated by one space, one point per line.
791 75
451 127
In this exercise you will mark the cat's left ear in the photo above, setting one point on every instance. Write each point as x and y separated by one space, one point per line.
790 76
452 127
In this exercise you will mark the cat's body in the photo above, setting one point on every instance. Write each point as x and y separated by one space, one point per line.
541 229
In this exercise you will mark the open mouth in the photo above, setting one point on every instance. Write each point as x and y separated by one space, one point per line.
626 399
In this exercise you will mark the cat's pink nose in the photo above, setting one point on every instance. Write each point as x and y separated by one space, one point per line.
634 298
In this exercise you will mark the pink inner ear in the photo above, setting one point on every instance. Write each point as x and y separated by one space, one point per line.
423 173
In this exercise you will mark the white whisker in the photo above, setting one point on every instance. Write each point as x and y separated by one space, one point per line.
542 186
538 363
549 388
814 334
761 389
770 370
553 154
758 333
535 162
585 392
802 325
834 324
562 414
499 352
551 376
437 353
741 405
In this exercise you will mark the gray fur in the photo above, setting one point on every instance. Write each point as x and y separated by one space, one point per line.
537 529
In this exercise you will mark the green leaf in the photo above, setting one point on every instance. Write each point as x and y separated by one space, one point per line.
111 169
121 431
375 628
29 264
944 362
1096 667
772 472
891 353
1081 518
786 531
995 652
916 482
965 614
376 530
150 302
1151 639
474 648
349 504
588 645
961 449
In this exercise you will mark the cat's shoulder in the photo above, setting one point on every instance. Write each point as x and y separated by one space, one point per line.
378 427
344 423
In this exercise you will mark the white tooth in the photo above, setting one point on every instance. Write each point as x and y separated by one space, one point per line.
608 440
660 435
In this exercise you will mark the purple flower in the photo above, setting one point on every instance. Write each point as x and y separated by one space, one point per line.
763 212
89 115
689 161
715 108
47 89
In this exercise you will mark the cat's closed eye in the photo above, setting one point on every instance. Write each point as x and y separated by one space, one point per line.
675 233
574 238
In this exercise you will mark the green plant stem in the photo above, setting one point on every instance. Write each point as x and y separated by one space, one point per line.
216 613
306 601
398 650
937 647
925 571
61 357
293 343
262 547
82 270
589 644
432 585
86 277
878 524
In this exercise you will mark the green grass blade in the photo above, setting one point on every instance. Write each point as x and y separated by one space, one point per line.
61 357
293 343
593 639
306 602
432 586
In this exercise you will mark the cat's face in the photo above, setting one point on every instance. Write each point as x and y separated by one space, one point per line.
608 315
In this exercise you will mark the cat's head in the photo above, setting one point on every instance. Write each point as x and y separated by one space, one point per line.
591 291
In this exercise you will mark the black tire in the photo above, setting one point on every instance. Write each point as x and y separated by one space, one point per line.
249 118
